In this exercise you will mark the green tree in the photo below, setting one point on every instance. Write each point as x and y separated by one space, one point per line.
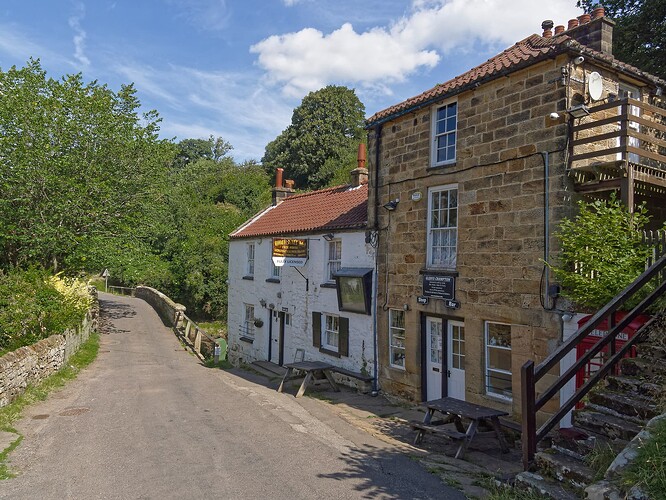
325 129
601 251
191 150
77 164
639 37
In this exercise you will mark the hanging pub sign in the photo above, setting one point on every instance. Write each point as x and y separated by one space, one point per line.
439 287
290 252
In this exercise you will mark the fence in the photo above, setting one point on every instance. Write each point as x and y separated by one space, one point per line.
122 290
201 343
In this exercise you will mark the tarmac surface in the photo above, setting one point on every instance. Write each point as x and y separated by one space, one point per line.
147 420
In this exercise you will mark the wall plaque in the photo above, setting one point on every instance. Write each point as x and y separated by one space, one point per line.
440 287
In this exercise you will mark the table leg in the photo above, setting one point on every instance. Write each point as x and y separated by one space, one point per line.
331 380
285 378
304 385
426 420
469 435
458 423
500 435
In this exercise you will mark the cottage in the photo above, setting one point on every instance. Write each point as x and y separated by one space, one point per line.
468 181
300 280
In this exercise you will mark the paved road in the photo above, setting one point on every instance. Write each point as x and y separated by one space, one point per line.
147 420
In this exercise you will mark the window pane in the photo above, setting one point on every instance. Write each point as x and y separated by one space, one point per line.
499 383
499 359
499 335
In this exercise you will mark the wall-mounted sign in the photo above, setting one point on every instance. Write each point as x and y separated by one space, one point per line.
290 252
416 196
452 304
422 300
353 287
440 287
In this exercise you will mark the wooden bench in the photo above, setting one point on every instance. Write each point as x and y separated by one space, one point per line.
434 429
356 375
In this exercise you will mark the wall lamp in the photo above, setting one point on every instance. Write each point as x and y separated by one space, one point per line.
329 237
392 205
578 111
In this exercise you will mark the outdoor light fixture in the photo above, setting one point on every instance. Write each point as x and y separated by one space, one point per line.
578 111
329 237
392 205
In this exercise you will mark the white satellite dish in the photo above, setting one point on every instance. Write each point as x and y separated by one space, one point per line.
595 85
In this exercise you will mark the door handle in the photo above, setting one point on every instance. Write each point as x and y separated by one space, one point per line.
448 373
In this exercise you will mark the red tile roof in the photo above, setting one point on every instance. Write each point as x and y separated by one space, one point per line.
341 207
529 51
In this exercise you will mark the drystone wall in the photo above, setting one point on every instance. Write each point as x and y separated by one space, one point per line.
169 311
31 364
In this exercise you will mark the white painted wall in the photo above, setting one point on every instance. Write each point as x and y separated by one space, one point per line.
568 329
290 295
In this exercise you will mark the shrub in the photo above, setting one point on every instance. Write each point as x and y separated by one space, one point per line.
601 252
35 304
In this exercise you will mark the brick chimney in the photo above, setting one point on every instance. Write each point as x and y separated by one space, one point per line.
360 174
280 192
594 31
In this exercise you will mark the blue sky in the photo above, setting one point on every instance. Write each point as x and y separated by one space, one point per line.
237 68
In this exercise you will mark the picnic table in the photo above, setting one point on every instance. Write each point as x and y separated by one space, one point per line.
311 368
455 410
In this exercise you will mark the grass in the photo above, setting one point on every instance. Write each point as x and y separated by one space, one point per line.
498 492
13 411
648 471
600 459
214 328
223 364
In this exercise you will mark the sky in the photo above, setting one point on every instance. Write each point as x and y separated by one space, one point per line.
238 68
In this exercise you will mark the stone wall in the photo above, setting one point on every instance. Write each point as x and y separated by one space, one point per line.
31 364
166 308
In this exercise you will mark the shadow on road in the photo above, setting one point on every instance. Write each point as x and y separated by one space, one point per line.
109 311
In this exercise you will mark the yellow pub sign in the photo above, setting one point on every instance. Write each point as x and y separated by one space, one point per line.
290 252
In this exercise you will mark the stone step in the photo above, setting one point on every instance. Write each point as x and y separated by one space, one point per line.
547 488
634 385
650 351
652 369
579 443
635 406
610 426
573 473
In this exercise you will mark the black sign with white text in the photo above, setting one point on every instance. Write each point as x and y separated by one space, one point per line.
440 287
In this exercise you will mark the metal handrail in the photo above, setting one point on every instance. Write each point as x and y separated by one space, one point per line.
531 374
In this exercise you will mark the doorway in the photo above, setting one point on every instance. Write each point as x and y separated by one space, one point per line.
444 368
276 348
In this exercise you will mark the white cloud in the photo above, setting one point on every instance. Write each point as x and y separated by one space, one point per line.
211 15
79 35
291 3
309 59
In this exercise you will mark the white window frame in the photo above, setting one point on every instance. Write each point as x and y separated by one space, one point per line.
445 132
332 328
396 338
248 322
250 259
333 262
488 369
276 271
449 231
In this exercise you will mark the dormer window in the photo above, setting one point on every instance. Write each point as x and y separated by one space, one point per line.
444 133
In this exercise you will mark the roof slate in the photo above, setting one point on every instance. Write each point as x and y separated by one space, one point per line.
529 51
336 208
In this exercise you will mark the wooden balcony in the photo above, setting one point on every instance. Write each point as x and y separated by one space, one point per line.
620 146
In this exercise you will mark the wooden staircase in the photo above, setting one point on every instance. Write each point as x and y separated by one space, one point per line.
615 411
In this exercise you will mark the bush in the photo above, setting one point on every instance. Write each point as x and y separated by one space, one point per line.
601 252
35 304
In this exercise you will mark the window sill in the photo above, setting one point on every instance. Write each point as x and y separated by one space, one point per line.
398 367
497 398
328 285
439 272
249 340
330 353
248 277
440 166
273 280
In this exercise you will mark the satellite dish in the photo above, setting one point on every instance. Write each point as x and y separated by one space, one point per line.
595 86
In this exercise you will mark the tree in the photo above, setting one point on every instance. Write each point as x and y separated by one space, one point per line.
191 150
325 129
639 37
77 165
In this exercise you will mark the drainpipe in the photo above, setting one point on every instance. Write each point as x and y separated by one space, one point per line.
375 276
546 225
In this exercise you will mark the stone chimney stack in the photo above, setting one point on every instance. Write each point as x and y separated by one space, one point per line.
360 174
280 192
593 30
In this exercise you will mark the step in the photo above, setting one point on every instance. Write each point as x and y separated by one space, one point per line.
610 426
547 488
573 473
579 443
635 406
652 369
634 385
650 351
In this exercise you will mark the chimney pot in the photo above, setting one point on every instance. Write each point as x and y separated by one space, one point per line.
547 26
289 184
361 155
573 23
559 29
598 12
584 18
278 177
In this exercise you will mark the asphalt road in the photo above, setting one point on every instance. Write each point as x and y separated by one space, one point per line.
147 420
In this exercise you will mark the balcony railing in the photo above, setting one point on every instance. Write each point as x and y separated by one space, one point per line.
620 145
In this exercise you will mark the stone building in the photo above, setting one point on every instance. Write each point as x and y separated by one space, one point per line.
468 181
300 279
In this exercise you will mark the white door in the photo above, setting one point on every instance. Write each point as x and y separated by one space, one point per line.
455 359
434 358
633 93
